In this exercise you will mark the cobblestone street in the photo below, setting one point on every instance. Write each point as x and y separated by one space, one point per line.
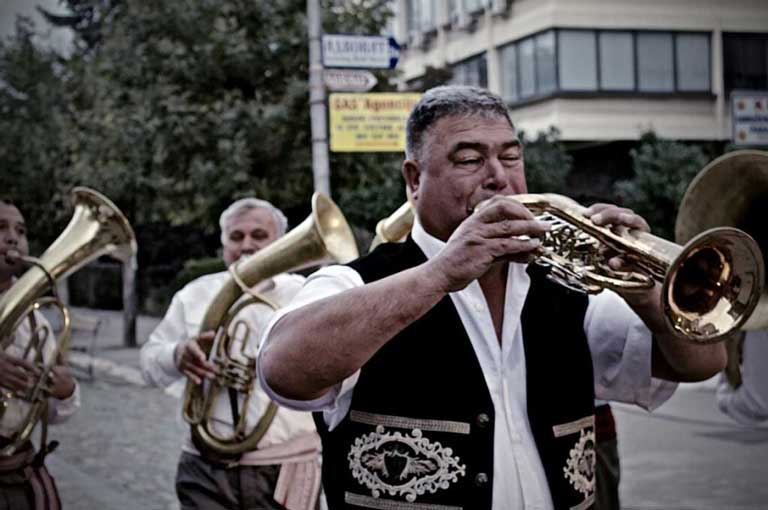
120 450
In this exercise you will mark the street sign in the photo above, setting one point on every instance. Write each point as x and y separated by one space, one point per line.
349 80
373 122
749 113
360 51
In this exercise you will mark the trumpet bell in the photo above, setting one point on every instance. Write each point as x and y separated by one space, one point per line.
732 191
713 285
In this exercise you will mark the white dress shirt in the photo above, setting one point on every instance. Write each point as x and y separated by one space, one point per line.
621 351
748 404
182 321
17 410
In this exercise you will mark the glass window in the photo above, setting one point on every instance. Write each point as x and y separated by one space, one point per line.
473 71
577 60
527 68
617 61
546 80
745 61
654 62
692 54
508 58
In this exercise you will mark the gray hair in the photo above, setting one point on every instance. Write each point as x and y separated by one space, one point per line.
449 101
246 204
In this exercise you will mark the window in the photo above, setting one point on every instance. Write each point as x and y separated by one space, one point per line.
546 79
473 71
617 69
577 60
745 61
421 15
508 57
655 62
580 60
527 68
692 57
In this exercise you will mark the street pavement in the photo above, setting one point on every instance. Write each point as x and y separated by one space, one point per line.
120 450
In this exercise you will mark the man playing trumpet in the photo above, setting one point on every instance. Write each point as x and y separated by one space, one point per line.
446 370
24 481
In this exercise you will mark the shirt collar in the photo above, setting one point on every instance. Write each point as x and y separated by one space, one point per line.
429 244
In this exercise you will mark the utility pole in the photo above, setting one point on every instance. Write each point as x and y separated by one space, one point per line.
317 113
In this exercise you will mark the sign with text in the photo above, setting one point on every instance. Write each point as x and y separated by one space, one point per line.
749 112
349 80
369 122
360 51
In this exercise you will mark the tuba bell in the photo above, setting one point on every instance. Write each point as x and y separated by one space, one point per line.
97 228
731 191
709 286
323 237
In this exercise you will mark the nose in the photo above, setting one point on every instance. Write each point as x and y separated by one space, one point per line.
496 178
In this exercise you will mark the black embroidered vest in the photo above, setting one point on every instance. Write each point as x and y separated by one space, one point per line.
419 433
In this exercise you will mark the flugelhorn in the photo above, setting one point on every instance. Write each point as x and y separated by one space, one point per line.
96 228
324 237
710 286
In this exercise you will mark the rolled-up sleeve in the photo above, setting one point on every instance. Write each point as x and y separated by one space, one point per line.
621 348
158 365
326 282
60 410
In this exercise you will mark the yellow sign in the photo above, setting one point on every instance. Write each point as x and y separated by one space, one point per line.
369 122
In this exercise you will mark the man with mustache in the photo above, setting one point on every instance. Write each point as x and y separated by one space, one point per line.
452 351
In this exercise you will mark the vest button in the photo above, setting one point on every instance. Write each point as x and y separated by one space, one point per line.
482 420
481 479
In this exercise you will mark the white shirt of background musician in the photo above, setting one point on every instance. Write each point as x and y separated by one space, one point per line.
621 353
58 410
748 404
182 321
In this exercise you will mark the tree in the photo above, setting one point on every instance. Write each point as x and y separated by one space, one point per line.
32 122
547 164
663 170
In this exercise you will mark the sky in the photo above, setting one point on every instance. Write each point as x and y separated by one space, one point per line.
59 38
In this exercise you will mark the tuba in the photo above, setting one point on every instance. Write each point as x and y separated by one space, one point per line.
709 286
731 191
96 228
324 237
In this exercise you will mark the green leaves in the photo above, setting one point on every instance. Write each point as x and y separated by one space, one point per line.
663 169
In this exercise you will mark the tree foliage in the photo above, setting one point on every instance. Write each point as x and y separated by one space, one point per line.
547 164
663 169
173 109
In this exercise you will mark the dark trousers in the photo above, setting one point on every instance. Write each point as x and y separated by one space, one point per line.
607 469
203 485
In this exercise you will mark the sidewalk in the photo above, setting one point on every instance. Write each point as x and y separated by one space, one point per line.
106 356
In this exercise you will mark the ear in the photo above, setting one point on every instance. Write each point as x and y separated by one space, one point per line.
412 176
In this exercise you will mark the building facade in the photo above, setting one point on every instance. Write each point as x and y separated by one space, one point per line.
598 71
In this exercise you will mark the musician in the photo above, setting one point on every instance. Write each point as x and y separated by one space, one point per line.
172 355
24 480
745 398
448 371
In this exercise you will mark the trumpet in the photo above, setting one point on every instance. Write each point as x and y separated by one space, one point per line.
710 286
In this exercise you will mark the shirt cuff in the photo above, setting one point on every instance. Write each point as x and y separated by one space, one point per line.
61 410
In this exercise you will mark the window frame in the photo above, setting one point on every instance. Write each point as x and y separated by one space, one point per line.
599 91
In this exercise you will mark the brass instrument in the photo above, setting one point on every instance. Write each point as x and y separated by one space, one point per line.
394 227
731 191
709 286
323 237
96 228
